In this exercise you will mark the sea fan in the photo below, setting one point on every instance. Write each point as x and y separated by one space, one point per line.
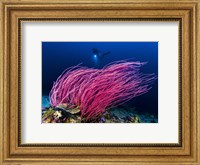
96 90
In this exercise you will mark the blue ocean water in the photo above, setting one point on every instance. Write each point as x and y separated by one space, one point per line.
57 56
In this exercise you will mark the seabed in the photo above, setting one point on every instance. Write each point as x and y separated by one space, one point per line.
121 114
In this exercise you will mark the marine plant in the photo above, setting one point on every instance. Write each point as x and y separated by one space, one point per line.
94 91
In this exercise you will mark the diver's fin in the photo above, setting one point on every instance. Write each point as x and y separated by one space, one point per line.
105 54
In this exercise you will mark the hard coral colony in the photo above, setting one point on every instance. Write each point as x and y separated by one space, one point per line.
94 91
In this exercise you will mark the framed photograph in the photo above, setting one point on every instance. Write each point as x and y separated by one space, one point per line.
97 86
99 82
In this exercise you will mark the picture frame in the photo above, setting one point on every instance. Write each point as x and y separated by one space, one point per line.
14 12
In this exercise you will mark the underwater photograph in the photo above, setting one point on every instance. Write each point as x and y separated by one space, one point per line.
99 82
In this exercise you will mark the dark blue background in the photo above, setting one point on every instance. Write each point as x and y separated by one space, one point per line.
57 56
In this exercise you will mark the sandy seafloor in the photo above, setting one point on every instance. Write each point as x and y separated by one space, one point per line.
120 114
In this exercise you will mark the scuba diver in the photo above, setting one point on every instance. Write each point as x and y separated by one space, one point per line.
98 54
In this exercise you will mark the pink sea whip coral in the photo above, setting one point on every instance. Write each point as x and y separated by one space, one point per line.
96 90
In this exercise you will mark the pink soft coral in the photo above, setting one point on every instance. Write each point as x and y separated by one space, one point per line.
95 90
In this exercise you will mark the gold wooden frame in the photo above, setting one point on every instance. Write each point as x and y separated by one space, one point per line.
13 12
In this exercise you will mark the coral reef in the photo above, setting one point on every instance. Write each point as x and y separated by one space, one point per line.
120 114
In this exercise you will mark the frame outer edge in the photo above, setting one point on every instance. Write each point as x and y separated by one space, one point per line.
198 80
1 83
196 72
99 1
